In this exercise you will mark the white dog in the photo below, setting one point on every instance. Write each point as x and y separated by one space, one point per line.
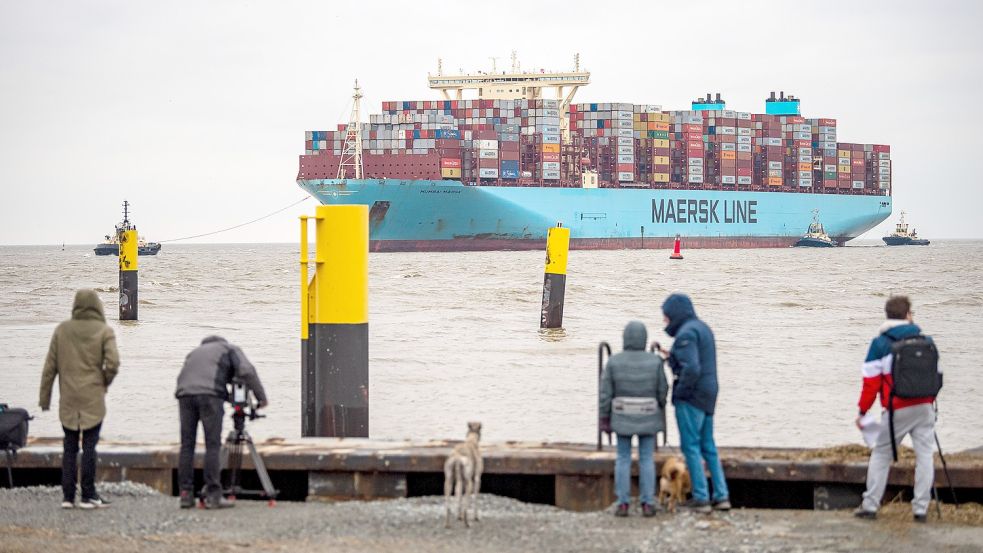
462 475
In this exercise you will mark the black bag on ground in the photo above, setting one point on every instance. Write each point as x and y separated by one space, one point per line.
915 373
13 427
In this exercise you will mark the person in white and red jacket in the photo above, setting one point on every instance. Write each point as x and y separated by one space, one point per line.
914 416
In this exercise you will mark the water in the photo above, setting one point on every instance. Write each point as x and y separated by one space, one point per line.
455 337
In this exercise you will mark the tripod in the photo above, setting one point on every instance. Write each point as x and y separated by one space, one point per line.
236 440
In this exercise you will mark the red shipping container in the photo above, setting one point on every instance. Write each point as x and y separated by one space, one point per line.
449 163
743 171
626 167
488 163
551 156
827 122
505 154
882 149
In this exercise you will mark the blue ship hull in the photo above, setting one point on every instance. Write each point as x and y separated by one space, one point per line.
439 215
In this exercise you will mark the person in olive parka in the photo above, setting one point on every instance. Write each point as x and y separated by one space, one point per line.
83 356
632 403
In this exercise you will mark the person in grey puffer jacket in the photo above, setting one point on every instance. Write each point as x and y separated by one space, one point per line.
202 389
632 403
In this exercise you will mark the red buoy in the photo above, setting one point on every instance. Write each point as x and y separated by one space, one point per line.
675 250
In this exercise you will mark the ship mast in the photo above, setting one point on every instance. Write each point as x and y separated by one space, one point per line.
351 154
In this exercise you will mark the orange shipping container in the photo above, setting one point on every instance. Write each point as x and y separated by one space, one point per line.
774 181
551 148
728 155
805 166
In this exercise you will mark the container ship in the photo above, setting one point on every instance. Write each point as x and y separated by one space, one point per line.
495 172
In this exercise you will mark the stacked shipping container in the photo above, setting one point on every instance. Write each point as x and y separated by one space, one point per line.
518 142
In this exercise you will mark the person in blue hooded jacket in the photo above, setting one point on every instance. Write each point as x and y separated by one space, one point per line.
632 402
693 360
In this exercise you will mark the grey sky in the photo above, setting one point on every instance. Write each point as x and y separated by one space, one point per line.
196 111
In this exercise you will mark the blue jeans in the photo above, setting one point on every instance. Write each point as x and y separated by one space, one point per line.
646 469
696 441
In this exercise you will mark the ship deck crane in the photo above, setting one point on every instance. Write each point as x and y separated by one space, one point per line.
515 85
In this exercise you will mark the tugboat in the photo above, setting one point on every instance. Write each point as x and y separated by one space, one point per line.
816 236
111 245
901 236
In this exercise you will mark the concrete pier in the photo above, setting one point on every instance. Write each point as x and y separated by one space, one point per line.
571 476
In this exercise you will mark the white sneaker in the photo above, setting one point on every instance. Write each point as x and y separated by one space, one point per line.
67 505
95 503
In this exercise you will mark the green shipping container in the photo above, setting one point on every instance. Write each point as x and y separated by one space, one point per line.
659 134
829 175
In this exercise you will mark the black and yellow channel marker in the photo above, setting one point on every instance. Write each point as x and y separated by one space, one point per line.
334 329
129 256
555 280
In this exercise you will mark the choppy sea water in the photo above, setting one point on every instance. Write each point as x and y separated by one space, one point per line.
454 336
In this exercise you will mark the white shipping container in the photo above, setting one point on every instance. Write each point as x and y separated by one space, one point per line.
726 130
488 154
625 124
695 161
883 155
805 158
623 115
802 136
626 177
884 162
551 175
745 116
774 142
885 185
801 127
805 182
741 131
551 139
322 144
488 173
805 174
551 166
695 179
774 172
743 180
627 133
625 150
743 147
486 144
728 113
858 184
775 165
627 158
695 170
626 141
884 170
728 179
554 113
744 140
728 147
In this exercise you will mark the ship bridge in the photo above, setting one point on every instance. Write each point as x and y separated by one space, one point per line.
515 85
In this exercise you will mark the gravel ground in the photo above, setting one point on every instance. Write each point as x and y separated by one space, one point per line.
145 521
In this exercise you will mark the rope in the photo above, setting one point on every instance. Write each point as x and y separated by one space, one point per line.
240 225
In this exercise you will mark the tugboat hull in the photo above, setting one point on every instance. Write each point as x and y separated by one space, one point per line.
113 249
814 243
905 241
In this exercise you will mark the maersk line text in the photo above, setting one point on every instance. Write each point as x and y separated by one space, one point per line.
704 211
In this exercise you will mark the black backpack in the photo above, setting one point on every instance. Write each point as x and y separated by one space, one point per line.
915 372
13 427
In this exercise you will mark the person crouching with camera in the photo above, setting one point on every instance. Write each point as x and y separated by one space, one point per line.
202 390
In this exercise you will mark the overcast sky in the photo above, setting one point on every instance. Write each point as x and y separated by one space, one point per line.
195 111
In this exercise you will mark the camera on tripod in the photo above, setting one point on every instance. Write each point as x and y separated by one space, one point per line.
244 406
243 401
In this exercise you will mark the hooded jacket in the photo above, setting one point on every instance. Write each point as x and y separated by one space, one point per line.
83 356
693 358
211 366
877 367
634 373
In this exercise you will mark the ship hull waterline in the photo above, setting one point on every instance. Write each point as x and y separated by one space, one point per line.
441 215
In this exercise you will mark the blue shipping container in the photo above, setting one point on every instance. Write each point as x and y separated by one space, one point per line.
448 133
510 165
416 133
509 173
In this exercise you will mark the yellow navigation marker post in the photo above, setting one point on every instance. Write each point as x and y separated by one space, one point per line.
554 282
335 324
129 255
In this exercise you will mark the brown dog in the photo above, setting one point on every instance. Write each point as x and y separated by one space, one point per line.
674 483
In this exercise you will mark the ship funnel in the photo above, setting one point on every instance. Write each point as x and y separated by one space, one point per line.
708 97
718 98
781 95
772 98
